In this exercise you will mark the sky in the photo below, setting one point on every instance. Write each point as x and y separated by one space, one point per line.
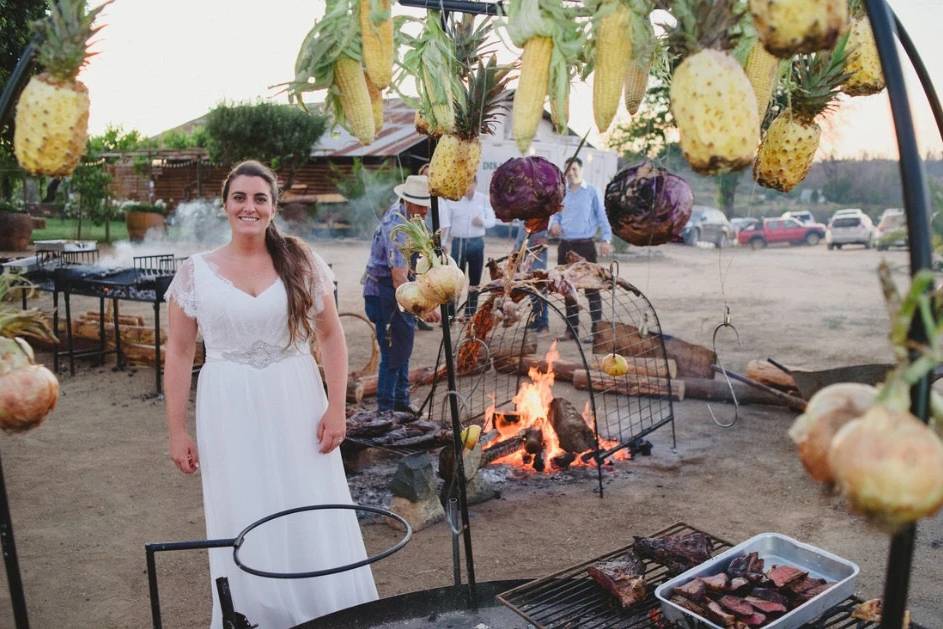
161 63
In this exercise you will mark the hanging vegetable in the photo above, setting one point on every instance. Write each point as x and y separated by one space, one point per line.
863 66
376 28
792 139
614 365
647 205
330 59
640 65
787 27
552 40
431 61
762 69
885 461
712 100
527 188
51 123
28 392
440 282
621 39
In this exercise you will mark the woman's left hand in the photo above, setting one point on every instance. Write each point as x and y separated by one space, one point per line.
332 429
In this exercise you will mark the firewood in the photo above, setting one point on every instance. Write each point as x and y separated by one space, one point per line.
692 360
717 390
765 373
140 354
574 435
504 345
437 437
563 461
92 315
563 369
633 386
366 386
502 448
533 440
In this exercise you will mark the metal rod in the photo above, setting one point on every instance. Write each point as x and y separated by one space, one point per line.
461 6
917 209
15 582
457 444
151 549
932 98
18 78
793 402
157 367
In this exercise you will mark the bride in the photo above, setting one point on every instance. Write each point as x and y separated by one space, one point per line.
267 437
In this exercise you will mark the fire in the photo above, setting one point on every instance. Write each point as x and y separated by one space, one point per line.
530 419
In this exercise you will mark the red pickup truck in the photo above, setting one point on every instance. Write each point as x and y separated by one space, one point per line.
779 230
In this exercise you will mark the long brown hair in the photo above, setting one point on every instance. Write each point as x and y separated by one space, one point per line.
289 256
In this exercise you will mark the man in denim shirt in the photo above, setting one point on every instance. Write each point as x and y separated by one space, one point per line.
386 270
536 257
576 225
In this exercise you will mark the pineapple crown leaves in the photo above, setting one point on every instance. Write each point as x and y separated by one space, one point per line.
702 24
16 322
471 42
482 98
816 81
65 34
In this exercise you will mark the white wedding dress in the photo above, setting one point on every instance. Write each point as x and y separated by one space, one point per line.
258 405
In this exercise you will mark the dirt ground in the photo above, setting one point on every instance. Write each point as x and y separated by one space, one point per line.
92 485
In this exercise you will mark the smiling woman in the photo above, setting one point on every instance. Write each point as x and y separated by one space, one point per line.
267 437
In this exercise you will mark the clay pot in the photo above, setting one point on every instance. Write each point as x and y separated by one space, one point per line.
140 222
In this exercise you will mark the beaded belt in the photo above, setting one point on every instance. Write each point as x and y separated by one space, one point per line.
259 355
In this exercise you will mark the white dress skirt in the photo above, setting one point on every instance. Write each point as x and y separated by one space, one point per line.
258 405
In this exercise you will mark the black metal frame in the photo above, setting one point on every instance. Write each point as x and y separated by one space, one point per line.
916 205
235 543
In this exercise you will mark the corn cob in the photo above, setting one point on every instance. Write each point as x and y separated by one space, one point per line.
557 117
376 102
636 83
863 64
355 98
531 90
377 43
613 51
761 68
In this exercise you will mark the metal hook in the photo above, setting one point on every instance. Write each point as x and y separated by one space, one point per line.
736 404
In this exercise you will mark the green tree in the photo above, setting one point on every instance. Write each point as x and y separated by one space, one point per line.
15 19
278 135
650 132
727 191
90 182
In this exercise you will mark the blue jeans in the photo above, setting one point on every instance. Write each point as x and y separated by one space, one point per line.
542 317
395 333
469 254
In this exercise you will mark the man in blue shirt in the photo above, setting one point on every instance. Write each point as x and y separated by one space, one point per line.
576 225
387 268
536 257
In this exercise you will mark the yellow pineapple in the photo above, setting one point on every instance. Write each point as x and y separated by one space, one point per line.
712 101
790 143
51 124
864 64
787 27
457 155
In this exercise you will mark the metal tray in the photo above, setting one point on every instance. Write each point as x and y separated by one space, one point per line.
777 549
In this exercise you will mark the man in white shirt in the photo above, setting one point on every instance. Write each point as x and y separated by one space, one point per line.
467 220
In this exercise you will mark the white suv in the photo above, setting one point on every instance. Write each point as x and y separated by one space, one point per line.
803 216
849 228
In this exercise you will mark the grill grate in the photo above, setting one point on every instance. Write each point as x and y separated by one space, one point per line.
570 598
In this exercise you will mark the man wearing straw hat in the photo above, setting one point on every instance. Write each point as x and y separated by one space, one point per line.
386 270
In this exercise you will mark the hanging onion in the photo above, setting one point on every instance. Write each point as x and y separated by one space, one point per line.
28 392
413 299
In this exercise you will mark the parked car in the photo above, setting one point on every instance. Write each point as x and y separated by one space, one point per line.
781 230
849 229
803 216
891 230
848 212
739 224
708 224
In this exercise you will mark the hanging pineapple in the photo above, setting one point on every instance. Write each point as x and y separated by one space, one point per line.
28 392
790 143
552 40
864 64
52 113
457 154
787 27
330 59
619 31
712 101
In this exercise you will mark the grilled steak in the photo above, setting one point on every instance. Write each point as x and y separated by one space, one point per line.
717 583
782 576
689 605
767 607
677 553
716 612
737 605
738 584
693 590
768 594
755 620
624 578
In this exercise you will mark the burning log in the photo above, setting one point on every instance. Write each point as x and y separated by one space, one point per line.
629 386
533 440
692 360
503 448
574 435
562 461
562 369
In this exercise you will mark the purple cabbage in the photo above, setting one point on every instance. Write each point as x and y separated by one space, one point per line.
528 188
647 205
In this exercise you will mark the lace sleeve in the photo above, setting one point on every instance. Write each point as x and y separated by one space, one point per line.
323 285
182 289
